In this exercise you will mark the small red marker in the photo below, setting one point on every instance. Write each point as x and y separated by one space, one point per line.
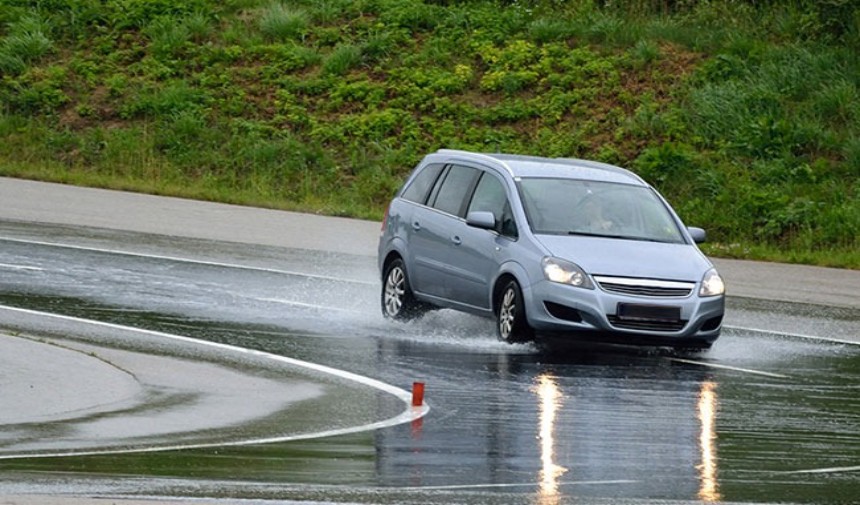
417 394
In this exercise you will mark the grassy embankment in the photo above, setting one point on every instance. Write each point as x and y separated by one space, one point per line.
744 114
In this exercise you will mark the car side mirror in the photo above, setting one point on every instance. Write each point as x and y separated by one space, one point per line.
697 234
481 219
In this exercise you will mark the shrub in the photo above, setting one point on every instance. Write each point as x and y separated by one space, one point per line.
667 166
37 91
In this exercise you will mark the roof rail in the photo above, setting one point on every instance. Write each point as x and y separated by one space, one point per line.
502 157
485 156
603 166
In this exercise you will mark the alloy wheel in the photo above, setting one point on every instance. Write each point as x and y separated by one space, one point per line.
395 288
507 313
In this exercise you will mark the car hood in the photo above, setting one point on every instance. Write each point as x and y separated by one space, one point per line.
629 258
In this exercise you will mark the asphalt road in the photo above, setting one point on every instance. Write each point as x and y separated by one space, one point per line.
60 204
56 204
779 298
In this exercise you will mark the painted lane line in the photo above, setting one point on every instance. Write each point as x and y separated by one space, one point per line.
21 267
187 260
512 485
836 469
309 305
409 414
794 335
732 368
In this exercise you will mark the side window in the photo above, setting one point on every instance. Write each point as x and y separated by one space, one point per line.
457 184
420 186
509 225
490 197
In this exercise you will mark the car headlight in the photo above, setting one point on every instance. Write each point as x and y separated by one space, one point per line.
565 272
712 284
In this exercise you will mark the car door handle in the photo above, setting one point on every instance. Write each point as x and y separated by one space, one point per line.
456 240
416 225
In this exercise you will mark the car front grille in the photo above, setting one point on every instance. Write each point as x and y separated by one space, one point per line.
641 325
645 287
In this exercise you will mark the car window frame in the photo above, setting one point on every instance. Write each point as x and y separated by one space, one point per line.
507 207
467 196
412 181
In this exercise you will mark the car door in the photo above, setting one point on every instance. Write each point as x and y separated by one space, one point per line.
434 230
475 251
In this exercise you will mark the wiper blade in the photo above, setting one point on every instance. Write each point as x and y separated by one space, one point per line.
590 234
610 235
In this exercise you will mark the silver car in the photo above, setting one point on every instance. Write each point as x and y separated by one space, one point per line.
559 247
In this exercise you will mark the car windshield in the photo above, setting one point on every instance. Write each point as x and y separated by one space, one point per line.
592 208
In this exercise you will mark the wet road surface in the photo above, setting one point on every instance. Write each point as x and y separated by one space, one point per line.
765 416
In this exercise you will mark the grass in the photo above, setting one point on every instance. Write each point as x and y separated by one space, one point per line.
744 114
279 22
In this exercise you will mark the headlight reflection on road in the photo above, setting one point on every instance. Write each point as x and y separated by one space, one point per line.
709 488
550 402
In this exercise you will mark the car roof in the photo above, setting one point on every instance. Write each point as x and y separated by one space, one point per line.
534 166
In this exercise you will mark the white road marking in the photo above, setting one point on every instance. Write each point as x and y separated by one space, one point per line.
732 368
408 415
309 305
521 484
20 267
836 469
186 260
795 335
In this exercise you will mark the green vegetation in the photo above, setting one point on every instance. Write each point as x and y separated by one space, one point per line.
744 113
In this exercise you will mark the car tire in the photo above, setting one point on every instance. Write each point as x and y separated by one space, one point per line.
398 301
511 324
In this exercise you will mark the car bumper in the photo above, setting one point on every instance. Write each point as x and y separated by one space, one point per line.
594 314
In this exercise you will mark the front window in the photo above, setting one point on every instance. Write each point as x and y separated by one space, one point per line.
490 196
591 208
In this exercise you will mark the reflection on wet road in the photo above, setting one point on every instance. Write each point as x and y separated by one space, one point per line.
762 417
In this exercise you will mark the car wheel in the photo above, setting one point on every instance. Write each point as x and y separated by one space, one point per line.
511 322
398 302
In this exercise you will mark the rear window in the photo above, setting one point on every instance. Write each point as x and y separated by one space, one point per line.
421 184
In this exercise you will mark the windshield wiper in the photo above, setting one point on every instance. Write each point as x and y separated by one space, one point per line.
590 234
609 235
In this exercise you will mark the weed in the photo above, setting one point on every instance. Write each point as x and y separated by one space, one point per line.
27 41
543 30
645 52
279 22
167 38
344 58
414 15
745 114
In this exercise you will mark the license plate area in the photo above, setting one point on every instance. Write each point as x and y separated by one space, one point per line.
641 312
